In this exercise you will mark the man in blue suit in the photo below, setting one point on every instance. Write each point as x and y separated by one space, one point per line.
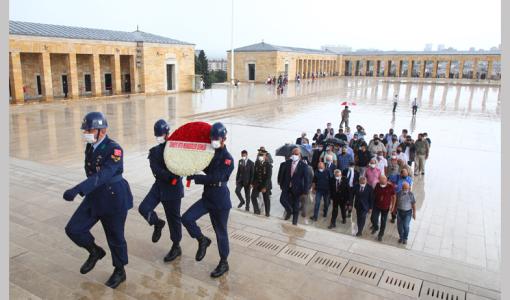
168 190
107 199
294 184
363 202
215 200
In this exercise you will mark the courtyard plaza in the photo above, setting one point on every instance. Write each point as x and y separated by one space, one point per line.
454 244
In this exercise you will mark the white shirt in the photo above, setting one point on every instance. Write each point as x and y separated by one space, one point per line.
402 156
395 99
350 176
401 138
381 164
98 143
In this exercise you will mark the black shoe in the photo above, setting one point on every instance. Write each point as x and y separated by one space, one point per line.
247 208
267 214
324 214
358 234
158 227
174 252
374 230
257 212
96 253
392 220
203 243
287 216
241 204
348 214
422 173
343 221
400 241
404 242
331 226
220 269
379 238
118 276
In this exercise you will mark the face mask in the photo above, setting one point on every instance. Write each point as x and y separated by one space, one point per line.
344 151
403 176
244 158
261 158
376 142
380 157
294 157
320 148
215 144
394 157
372 165
89 138
321 170
398 151
338 177
160 139
383 185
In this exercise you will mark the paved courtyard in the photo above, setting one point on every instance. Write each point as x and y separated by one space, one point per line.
454 242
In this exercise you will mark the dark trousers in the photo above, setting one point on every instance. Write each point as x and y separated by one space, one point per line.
394 106
219 220
284 200
415 109
361 216
246 188
338 202
78 230
375 219
293 202
172 211
267 200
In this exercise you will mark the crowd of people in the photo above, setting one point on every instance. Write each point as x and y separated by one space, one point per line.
345 170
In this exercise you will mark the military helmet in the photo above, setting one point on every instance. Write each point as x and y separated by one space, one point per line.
94 120
161 128
218 130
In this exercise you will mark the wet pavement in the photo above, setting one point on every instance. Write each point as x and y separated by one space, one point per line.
458 216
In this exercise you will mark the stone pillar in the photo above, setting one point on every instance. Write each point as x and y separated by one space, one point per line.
434 68
73 72
410 68
490 66
461 68
97 88
133 73
423 68
397 69
17 78
46 78
117 80
475 68
353 67
387 66
448 66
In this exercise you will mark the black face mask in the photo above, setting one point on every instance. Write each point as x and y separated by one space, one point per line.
376 142
398 151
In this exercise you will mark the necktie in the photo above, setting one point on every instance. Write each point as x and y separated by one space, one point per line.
361 190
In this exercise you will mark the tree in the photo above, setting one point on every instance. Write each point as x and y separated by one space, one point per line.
202 68
218 76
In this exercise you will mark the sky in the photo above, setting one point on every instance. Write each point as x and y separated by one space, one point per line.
360 24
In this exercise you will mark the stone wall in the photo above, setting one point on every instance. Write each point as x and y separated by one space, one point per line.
30 66
85 66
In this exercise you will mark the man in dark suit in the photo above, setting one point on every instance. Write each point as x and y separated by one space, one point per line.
352 177
244 177
294 184
261 183
363 202
339 192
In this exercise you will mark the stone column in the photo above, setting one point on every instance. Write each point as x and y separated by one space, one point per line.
117 80
133 73
423 68
96 79
448 66
490 66
434 68
46 78
387 66
461 68
475 68
73 72
17 78
410 68
397 69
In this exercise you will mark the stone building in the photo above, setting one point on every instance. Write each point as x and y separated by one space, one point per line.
258 61
47 62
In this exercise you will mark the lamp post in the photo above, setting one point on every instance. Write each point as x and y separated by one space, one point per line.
232 48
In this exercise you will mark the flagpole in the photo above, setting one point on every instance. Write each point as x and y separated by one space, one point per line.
232 47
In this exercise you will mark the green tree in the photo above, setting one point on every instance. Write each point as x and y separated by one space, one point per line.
218 76
202 68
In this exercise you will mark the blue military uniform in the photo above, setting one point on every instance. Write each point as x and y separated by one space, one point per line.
107 199
167 189
215 200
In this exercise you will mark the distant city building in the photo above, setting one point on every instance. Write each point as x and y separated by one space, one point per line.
217 64
336 48
440 47
495 49
428 47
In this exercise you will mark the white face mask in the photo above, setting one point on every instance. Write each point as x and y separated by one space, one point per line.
383 185
160 139
244 158
321 170
372 165
215 144
294 157
338 177
89 138
261 158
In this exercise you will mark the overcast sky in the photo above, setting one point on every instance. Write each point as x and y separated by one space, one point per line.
385 25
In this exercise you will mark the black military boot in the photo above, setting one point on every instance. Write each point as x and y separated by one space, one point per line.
203 243
220 269
156 235
174 252
118 276
96 253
